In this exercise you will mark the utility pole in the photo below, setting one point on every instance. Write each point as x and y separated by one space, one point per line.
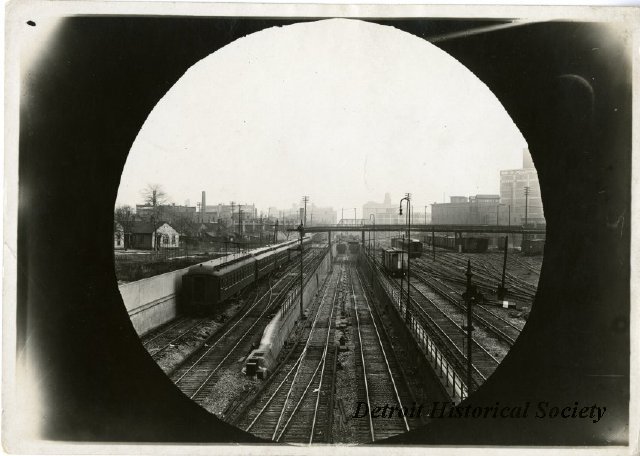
527 189
301 230
407 198
433 243
233 204
305 200
275 233
509 215
498 214
502 291
469 297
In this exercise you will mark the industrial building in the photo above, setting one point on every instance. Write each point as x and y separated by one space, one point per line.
474 210
513 183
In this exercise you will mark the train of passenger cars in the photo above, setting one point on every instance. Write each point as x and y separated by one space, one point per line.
205 287
403 244
467 244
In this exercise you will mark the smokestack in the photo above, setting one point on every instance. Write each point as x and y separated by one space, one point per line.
203 205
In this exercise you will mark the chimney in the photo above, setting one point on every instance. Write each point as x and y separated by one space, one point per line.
203 206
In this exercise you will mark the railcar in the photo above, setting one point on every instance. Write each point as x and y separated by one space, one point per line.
354 247
204 287
341 248
467 244
402 244
532 247
394 261
265 263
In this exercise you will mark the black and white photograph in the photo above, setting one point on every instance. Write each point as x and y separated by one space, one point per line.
261 228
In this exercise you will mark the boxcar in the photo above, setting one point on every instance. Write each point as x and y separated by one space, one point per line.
532 247
394 261
354 247
402 244
467 244
475 245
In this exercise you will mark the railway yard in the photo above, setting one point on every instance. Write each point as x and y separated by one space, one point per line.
352 361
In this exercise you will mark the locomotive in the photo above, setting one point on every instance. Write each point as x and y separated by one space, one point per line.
402 244
204 287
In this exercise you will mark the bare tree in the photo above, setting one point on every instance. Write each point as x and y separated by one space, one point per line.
125 216
154 195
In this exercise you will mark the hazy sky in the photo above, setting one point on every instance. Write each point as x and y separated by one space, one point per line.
340 110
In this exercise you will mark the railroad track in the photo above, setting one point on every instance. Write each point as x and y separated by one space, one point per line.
380 378
170 334
501 328
452 268
181 328
295 403
484 363
197 375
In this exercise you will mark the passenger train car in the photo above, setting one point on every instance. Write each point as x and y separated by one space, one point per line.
205 287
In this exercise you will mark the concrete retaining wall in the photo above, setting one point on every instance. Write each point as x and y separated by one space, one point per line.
281 325
152 302
288 320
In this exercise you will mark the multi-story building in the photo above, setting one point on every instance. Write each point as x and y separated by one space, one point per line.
474 210
513 183
385 212
321 215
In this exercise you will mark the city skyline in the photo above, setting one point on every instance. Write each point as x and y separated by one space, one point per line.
395 115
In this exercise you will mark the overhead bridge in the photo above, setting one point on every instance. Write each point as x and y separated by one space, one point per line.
502 229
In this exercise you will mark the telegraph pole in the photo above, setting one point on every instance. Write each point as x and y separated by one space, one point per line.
407 198
469 297
502 291
526 204
305 200
233 204
301 230
275 233
527 189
